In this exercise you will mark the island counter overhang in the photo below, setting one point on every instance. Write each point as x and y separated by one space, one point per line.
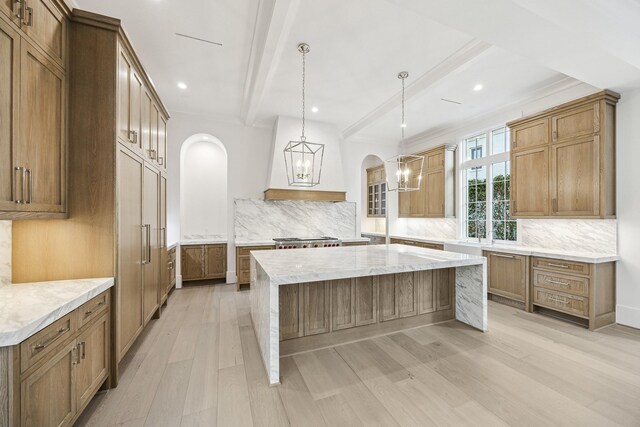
272 269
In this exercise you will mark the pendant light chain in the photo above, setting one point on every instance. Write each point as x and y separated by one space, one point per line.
402 125
304 51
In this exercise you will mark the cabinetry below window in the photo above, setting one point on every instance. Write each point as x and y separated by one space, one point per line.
508 277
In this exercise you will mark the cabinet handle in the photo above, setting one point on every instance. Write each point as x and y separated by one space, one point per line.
133 137
43 345
30 184
161 160
29 12
90 312
505 256
551 264
74 355
152 154
83 353
554 205
557 282
19 171
555 135
148 243
559 300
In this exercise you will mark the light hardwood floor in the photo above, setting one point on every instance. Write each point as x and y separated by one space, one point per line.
199 365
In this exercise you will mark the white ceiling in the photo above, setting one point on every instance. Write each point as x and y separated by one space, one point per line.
513 47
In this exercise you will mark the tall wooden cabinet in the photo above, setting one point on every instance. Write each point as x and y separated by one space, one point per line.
33 104
563 160
117 195
436 196
376 192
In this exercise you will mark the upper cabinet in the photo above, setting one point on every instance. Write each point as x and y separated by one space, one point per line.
563 160
376 192
33 97
436 196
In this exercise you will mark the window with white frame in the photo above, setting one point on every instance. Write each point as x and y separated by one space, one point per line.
487 186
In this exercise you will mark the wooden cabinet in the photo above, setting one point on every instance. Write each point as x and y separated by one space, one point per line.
171 265
33 136
408 242
508 277
376 192
113 189
584 291
243 265
530 183
200 262
563 160
49 378
10 9
366 301
316 307
436 195
290 311
165 284
343 300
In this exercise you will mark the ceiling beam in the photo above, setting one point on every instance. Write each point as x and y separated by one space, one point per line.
273 24
459 58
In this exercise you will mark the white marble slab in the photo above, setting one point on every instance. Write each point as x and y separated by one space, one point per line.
585 235
5 253
244 243
210 241
423 239
439 228
261 220
272 269
318 264
27 308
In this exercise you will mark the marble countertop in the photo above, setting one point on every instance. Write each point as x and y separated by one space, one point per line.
317 264
579 256
26 308
242 242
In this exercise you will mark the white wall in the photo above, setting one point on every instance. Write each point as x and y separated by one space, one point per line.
289 129
203 186
628 210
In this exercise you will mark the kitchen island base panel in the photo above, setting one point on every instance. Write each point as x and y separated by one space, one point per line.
471 295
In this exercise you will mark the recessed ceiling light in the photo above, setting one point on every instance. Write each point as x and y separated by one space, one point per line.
182 85
477 87
314 109
403 125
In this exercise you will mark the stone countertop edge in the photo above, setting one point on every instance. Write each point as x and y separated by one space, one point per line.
587 257
13 333
187 242
241 242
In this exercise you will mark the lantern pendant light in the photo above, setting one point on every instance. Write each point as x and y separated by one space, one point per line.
404 172
303 159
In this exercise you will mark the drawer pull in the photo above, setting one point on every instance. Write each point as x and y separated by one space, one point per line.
42 346
505 256
557 282
559 300
557 265
89 312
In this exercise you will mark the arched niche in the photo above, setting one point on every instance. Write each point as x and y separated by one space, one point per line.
367 223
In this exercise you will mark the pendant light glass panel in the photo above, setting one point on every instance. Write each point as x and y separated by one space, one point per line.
404 172
304 163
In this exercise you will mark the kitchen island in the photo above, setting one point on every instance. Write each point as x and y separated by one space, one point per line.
303 299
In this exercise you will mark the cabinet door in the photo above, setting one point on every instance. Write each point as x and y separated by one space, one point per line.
192 262
508 275
125 71
376 200
370 203
93 360
146 123
404 204
316 308
530 135
426 291
215 261
136 110
290 311
388 297
49 393
343 299
383 199
130 250
162 142
434 186
164 255
444 280
434 159
575 175
42 131
407 298
48 29
9 93
152 153
418 197
575 123
151 217
366 303
530 183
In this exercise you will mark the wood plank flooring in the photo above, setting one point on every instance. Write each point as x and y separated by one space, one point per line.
199 365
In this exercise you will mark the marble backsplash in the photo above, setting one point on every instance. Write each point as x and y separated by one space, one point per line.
5 253
442 228
588 235
261 220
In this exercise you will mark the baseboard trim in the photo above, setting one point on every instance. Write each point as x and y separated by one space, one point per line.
628 316
231 277
178 281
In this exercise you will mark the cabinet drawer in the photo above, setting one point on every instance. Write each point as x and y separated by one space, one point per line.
37 346
245 250
567 303
570 267
92 309
561 282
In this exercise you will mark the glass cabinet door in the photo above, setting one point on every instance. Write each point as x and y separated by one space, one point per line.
370 201
383 199
376 199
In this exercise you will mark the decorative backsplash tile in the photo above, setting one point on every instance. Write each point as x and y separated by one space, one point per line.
5 253
443 228
587 235
260 220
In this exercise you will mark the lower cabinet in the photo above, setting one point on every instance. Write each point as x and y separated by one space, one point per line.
171 267
200 262
243 263
320 307
55 388
508 277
